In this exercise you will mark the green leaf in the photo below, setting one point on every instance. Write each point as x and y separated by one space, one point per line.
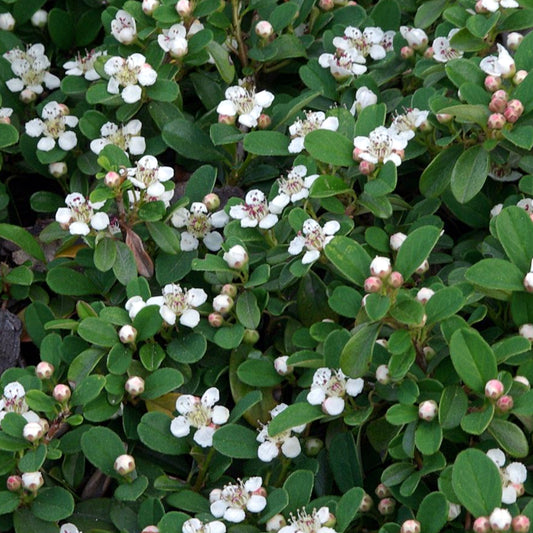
97 331
105 254
510 437
124 267
433 512
61 28
377 306
187 349
400 414
296 414
282 15
524 55
201 183
327 186
438 174
70 282
164 236
9 501
277 500
476 482
266 143
470 173
452 406
344 463
369 119
299 486
357 354
188 140
443 304
428 12
53 503
473 359
162 381
348 507
468 113
350 258
222 61
151 355
87 389
147 322
25 521
416 249
247 310
163 91
22 238
154 432
246 402
515 233
407 310
428 437
495 274
102 446
258 373
131 491
521 136
32 460
8 135
238 442
330 147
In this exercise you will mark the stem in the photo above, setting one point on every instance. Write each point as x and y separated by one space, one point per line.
243 56
203 470
285 463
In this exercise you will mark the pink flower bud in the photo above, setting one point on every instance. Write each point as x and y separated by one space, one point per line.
226 119
61 393
264 29
494 389
383 374
58 169
113 179
32 481
127 334
481 525
366 504
501 94
428 410
519 489
516 105
134 386
14 483
281 367
380 267
275 523
492 83
215 320
424 294
356 154
514 39
32 431
326 5
124 464
382 491
526 330
424 267
386 506
373 284
428 54
496 121
505 403
264 121
27 96
480 7
223 303
520 523
519 77
406 52
395 280
410 526
150 529
149 6
44 370
184 8
444 118
211 201
511 115
230 289
366 168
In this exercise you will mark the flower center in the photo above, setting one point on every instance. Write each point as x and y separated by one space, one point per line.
200 416
306 523
199 224
55 127
126 76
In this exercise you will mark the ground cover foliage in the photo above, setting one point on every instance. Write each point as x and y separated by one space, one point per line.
266 266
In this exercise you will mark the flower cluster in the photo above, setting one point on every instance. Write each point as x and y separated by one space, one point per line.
174 39
513 476
245 103
443 50
200 413
132 73
316 522
126 137
255 212
79 216
314 120
84 65
150 178
232 502
13 401
313 238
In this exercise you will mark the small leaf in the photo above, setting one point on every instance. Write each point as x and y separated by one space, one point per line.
470 173
238 442
330 147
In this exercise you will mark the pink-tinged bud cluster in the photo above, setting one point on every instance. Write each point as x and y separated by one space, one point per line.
149 6
14 483
492 83
496 121
386 506
505 403
124 464
134 386
498 101
520 524
57 169
424 267
513 111
513 40
494 389
428 410
44 370
482 525
410 526
215 320
480 7
61 393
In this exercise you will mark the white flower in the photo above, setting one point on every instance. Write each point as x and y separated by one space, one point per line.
199 413
31 69
271 445
329 388
305 523
174 40
123 27
236 257
501 65
126 137
344 64
404 125
494 5
84 66
199 224
194 525
314 120
442 49
53 128
500 519
293 188
513 476
416 38
69 528
80 213
380 146
314 238
149 176
179 303
232 502
7 21
365 43
364 97
13 401
254 212
245 103
132 73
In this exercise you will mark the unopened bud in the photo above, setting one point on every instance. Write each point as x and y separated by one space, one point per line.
494 389
223 303
429 352
264 29
492 83
264 121
496 121
482 525
428 410
380 267
520 523
275 523
226 119
230 289
215 320
39 18
513 111
526 330
124 464
500 519
366 168
150 529
356 154
61 393
14 483
281 367
313 446
326 5
383 374
134 386
127 334
396 240
429 53
505 403
32 481
514 39
373 284
44 370
386 506
236 257
382 491
444 118
32 431
519 77
7 22
424 267
480 7
58 169
406 52
211 201
251 336
410 526
395 280
149 6
27 96
424 294
184 8
454 510
330 522
113 179
523 380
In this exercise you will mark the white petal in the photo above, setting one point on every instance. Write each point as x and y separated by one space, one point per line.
310 257
256 503
213 241
254 483
204 436
316 396
46 144
137 145
131 94
67 141
35 127
179 427
188 242
296 245
331 123
331 227
227 107
218 508
220 415
79 228
517 472
291 448
15 85
264 98
210 397
267 451
334 405
167 315
190 318
354 386
268 221
233 514
296 145
509 495
497 456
